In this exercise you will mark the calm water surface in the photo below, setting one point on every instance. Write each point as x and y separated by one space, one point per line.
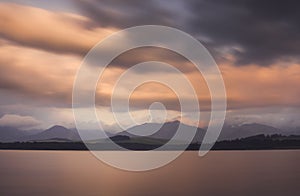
218 173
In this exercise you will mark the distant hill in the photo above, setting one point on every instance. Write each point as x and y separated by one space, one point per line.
260 142
247 130
291 130
57 132
54 132
165 131
10 134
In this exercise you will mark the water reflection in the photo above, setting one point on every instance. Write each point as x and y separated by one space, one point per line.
218 173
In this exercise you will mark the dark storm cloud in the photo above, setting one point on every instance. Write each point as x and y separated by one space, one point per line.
253 31
122 14
263 31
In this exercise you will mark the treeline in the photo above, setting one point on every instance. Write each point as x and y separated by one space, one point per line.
258 142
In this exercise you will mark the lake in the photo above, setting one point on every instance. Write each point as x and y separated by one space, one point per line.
271 172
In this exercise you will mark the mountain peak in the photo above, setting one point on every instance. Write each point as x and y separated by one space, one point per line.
57 127
173 122
164 131
56 131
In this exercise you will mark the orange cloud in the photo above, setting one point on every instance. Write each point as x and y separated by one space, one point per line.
37 74
49 77
54 31
256 86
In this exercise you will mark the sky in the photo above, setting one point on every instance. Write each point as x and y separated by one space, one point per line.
256 45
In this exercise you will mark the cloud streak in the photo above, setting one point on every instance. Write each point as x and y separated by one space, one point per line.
51 31
24 122
48 78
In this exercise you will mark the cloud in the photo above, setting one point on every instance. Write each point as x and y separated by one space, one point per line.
256 32
252 31
41 50
145 54
255 86
281 117
124 14
68 34
22 122
37 74
46 79
52 31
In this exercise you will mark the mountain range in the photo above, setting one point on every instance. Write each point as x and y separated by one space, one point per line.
165 132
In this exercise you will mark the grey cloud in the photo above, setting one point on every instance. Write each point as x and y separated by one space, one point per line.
26 122
255 32
145 54
122 14
265 31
